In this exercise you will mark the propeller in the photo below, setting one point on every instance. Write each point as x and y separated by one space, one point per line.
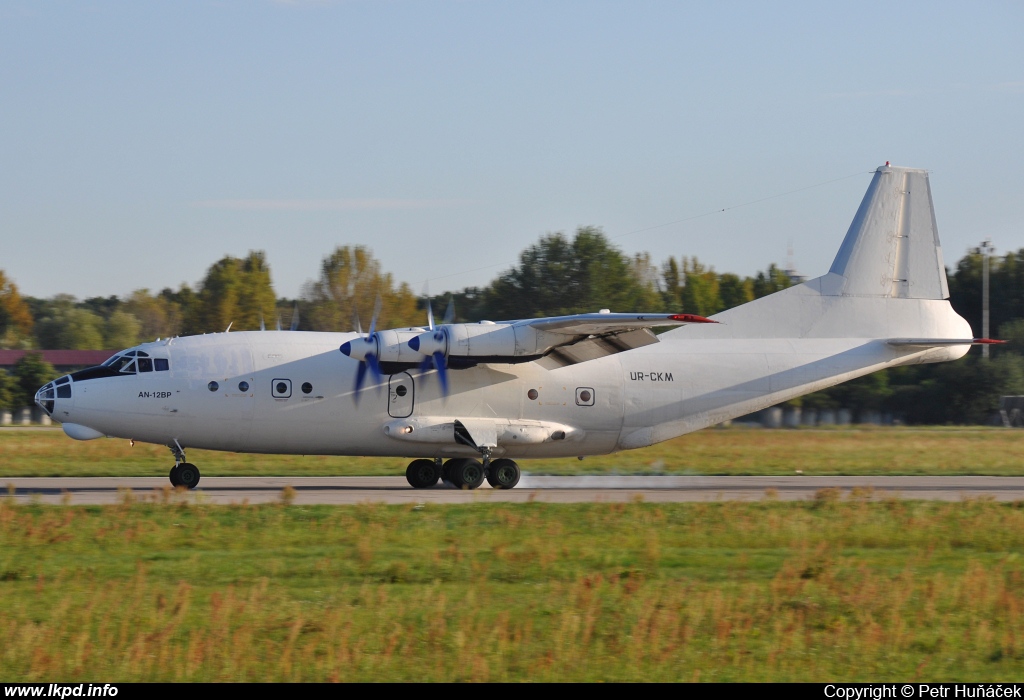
437 360
365 350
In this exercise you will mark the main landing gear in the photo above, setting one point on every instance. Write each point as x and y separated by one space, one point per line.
183 473
463 473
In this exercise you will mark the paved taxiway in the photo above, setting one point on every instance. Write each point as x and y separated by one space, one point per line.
551 489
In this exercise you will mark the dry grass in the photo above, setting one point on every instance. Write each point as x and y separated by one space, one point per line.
939 451
825 590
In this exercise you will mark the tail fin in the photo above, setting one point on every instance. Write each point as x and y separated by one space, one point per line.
888 280
892 248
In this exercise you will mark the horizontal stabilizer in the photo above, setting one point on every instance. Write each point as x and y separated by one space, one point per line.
942 342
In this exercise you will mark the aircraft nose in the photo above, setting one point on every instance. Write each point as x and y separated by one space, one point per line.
45 397
59 389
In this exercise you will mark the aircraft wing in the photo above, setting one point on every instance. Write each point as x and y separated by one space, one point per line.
553 342
601 324
585 337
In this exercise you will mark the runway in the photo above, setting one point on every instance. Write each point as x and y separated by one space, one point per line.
549 489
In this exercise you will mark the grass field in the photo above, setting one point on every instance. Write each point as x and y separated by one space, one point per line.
853 451
825 590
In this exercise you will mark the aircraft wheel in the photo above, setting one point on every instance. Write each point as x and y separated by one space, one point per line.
446 472
465 473
188 475
422 473
503 474
174 476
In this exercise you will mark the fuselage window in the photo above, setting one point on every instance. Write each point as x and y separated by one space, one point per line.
145 364
161 364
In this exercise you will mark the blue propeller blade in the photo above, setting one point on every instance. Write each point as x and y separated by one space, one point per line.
441 364
371 361
360 378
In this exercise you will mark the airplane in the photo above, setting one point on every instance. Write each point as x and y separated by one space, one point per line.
464 401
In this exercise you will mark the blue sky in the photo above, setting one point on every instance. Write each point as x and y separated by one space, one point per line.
140 142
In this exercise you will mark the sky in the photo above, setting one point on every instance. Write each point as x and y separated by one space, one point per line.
142 142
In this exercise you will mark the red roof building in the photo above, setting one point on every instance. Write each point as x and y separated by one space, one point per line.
62 360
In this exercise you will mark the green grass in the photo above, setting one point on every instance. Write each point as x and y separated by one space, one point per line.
822 590
852 451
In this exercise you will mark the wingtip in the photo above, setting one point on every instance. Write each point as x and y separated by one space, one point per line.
690 318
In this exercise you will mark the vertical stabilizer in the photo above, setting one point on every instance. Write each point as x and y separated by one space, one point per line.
892 248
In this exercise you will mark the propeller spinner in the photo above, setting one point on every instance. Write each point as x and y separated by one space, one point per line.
433 345
367 351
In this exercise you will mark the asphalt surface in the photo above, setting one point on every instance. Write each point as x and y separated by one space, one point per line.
550 489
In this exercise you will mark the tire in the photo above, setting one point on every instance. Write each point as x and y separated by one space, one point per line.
422 473
466 473
174 476
188 475
446 471
503 474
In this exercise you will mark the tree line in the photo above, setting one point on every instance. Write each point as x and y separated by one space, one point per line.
559 274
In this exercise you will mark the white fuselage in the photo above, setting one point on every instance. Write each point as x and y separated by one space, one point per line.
694 377
556 391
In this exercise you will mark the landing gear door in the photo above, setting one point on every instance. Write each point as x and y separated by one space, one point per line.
401 395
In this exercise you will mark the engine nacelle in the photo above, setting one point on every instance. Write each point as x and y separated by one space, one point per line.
386 346
485 340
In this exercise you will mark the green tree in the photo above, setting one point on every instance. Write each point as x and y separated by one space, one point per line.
350 281
31 372
121 330
235 292
774 280
9 392
15 316
67 327
558 276
700 294
159 316
734 290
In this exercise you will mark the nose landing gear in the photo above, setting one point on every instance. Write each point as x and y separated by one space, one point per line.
183 473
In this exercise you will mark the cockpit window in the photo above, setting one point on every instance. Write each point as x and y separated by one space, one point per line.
162 365
123 364
145 364
111 361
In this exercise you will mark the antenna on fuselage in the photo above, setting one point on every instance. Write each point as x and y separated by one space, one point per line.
228 329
